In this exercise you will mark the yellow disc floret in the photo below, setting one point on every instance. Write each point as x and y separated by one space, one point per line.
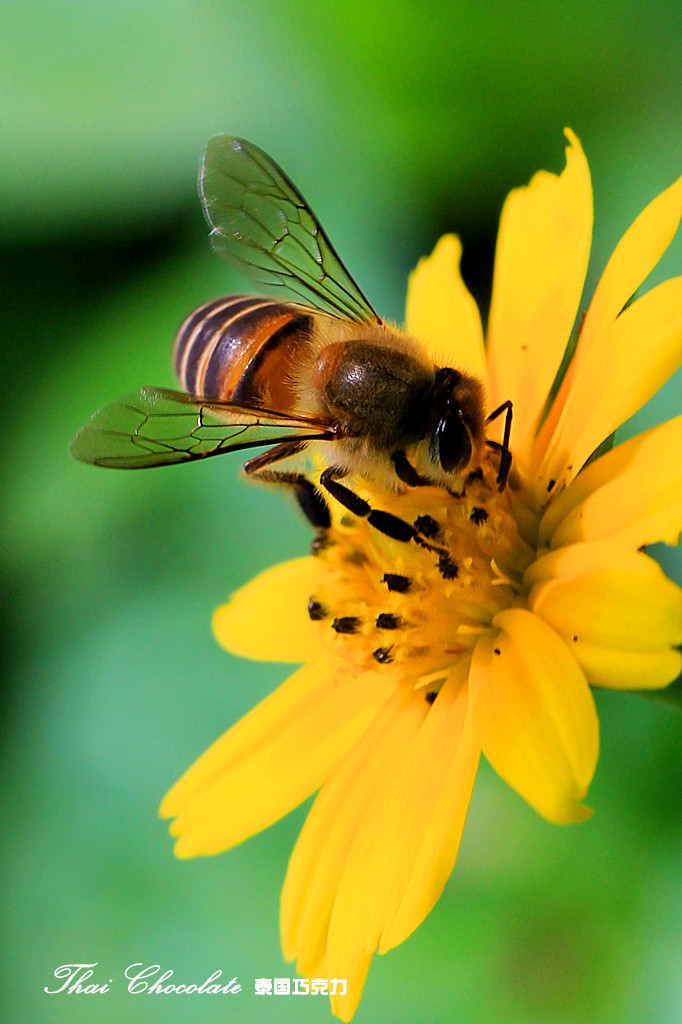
418 607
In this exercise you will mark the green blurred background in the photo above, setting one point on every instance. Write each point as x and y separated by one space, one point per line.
399 123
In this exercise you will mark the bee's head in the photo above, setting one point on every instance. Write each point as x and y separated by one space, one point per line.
457 420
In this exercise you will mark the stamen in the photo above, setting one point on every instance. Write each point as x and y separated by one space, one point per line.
388 621
397 583
316 610
501 580
447 568
441 595
432 679
346 624
427 526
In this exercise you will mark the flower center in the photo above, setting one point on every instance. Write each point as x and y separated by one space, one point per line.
418 607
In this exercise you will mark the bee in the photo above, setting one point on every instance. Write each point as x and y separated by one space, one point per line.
320 368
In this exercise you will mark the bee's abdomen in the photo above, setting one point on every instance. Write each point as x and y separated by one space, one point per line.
239 349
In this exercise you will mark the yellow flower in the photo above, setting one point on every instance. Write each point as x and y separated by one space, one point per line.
415 661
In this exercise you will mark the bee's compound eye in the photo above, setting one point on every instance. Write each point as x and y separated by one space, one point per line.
453 442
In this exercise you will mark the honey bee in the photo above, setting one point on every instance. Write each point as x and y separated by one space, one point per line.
319 369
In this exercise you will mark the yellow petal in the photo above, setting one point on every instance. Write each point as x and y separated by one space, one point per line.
279 754
633 259
573 561
635 356
260 725
442 313
344 1006
370 855
345 807
628 669
606 601
542 253
430 815
635 256
632 495
320 855
535 715
405 843
267 620
344 993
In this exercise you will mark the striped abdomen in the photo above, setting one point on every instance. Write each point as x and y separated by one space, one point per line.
241 349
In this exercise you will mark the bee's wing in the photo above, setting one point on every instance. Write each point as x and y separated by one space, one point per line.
262 224
159 427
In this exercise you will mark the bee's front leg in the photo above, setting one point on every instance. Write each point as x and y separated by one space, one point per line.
503 448
405 471
384 522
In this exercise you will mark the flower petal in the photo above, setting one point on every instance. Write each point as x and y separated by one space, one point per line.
272 759
431 814
407 841
267 620
344 1006
633 259
535 715
347 806
540 265
636 354
442 313
627 669
632 494
369 856
320 855
635 256
616 609
343 1003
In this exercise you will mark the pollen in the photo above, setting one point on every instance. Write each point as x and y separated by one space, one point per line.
416 608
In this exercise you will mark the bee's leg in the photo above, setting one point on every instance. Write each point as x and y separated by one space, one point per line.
385 522
505 463
503 448
311 502
405 471
276 454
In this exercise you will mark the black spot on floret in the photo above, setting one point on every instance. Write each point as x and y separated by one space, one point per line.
346 624
427 526
387 621
448 569
316 610
397 583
